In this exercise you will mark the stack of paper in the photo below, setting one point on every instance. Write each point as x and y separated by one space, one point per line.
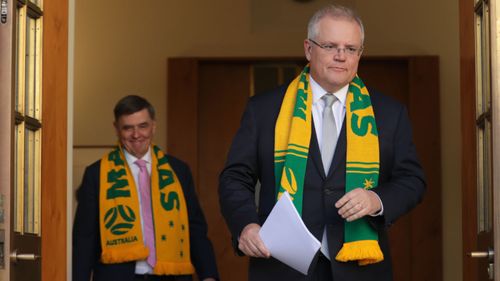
287 238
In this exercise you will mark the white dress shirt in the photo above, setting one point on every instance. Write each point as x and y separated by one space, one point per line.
318 106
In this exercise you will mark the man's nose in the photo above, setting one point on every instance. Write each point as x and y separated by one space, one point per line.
340 55
135 133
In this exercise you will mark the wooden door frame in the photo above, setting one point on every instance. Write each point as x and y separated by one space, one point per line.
495 87
468 127
55 140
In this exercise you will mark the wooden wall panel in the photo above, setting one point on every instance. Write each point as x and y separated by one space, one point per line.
219 111
424 110
182 113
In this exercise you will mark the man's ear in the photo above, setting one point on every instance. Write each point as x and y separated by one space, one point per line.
307 49
117 130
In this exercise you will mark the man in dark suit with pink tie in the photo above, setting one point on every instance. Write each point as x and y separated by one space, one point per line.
138 216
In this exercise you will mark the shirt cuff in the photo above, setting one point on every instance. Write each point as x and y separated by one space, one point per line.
381 212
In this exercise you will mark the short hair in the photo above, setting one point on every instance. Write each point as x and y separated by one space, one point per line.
132 104
334 11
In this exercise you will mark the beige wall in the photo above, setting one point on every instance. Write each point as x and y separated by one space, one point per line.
121 48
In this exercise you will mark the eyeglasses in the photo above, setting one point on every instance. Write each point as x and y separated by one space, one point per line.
334 49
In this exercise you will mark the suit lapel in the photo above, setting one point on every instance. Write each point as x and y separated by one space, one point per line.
315 153
338 156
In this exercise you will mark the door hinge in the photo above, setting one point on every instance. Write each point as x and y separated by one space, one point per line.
2 249
3 11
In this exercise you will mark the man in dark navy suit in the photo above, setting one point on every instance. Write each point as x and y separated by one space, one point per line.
333 48
135 126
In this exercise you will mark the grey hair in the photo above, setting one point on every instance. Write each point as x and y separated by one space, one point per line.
334 11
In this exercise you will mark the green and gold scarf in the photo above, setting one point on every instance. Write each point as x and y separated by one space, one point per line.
291 151
120 222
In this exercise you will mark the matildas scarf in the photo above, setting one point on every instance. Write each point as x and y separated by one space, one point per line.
120 222
291 151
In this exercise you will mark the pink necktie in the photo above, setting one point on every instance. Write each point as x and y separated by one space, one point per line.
147 218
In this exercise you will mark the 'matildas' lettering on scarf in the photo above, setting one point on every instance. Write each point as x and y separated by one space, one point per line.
301 109
361 126
119 185
292 137
168 199
121 232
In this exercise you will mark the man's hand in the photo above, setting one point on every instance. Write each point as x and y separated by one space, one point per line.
358 203
251 244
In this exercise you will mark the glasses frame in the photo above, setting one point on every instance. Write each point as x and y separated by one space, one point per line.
329 48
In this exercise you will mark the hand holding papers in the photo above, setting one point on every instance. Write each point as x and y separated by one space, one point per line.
287 238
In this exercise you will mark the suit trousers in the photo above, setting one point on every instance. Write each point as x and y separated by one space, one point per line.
322 270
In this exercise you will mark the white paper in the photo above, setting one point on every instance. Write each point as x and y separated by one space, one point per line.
287 238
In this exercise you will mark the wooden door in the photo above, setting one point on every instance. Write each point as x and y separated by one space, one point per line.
6 125
219 106
206 99
23 91
480 137
33 90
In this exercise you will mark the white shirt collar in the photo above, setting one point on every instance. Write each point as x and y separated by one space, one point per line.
318 92
131 158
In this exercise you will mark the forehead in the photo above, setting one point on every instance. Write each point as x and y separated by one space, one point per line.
339 30
135 118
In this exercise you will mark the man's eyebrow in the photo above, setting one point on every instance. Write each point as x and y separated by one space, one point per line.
128 126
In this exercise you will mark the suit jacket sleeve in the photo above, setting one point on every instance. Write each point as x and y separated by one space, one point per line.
403 185
202 252
239 177
86 243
